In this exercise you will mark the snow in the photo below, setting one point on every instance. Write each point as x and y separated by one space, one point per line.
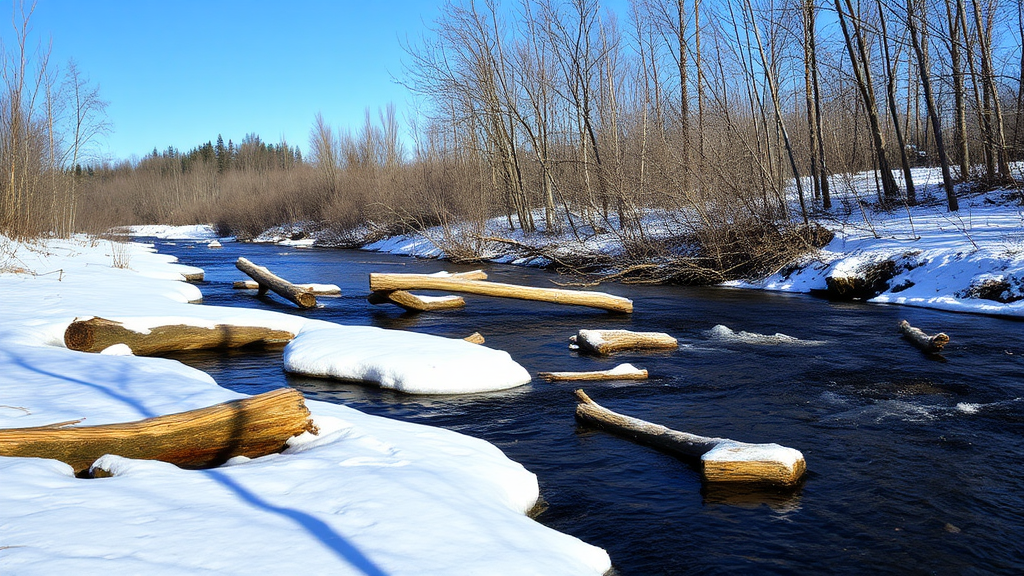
368 495
405 361
724 333
165 232
731 451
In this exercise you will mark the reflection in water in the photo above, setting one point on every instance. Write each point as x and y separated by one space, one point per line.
897 447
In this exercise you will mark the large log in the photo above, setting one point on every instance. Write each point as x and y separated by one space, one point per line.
98 334
391 282
723 460
267 280
202 438
315 289
608 341
415 302
620 372
917 337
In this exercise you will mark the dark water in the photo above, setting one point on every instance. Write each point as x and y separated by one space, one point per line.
914 465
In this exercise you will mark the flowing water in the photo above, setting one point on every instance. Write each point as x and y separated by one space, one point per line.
914 464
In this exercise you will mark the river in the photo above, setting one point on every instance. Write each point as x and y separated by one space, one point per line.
914 464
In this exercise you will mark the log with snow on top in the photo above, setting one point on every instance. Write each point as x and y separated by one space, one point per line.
404 361
620 372
607 341
98 334
722 460
917 337
315 289
268 281
202 438
475 338
391 282
416 302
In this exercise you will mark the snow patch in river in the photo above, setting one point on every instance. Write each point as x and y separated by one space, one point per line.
724 333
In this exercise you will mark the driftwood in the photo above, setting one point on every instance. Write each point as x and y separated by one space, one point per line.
202 438
723 460
475 338
620 372
267 280
98 334
390 282
416 303
315 289
917 337
194 276
608 341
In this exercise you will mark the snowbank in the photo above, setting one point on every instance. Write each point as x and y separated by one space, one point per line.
164 232
405 361
367 495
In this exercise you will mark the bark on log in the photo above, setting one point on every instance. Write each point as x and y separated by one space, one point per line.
475 338
917 337
315 289
267 280
194 276
607 341
416 303
390 282
620 372
98 334
202 438
723 460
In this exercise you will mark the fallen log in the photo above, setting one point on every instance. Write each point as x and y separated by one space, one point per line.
620 372
917 337
267 280
315 289
475 338
391 282
722 460
607 341
202 438
415 302
98 334
194 276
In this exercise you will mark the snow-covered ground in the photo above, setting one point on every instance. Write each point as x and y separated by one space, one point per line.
368 495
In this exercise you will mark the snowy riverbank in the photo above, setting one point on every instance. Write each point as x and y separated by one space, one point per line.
367 496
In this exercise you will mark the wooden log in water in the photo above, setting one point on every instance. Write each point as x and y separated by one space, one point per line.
475 338
607 341
194 276
917 337
415 302
620 372
315 289
202 438
391 282
98 334
722 460
267 280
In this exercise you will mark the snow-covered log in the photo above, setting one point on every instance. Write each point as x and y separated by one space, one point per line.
608 341
475 338
267 280
917 337
620 372
390 282
722 460
415 302
202 438
315 289
98 334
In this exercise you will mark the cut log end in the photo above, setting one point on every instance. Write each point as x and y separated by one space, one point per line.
602 342
753 464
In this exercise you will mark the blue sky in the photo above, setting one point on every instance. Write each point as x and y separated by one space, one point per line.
178 73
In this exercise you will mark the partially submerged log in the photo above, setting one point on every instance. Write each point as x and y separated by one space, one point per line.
267 280
194 276
917 337
98 334
315 289
391 282
475 338
415 302
723 460
620 372
202 438
607 341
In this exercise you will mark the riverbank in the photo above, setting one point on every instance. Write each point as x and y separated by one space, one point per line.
368 495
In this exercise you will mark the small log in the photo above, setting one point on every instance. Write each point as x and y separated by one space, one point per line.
607 341
194 276
98 334
620 372
267 280
202 438
214 244
475 338
723 460
917 337
315 289
391 282
416 303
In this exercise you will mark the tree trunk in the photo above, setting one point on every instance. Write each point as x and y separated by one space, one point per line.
267 280
416 303
890 93
315 289
925 343
98 334
608 341
620 372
